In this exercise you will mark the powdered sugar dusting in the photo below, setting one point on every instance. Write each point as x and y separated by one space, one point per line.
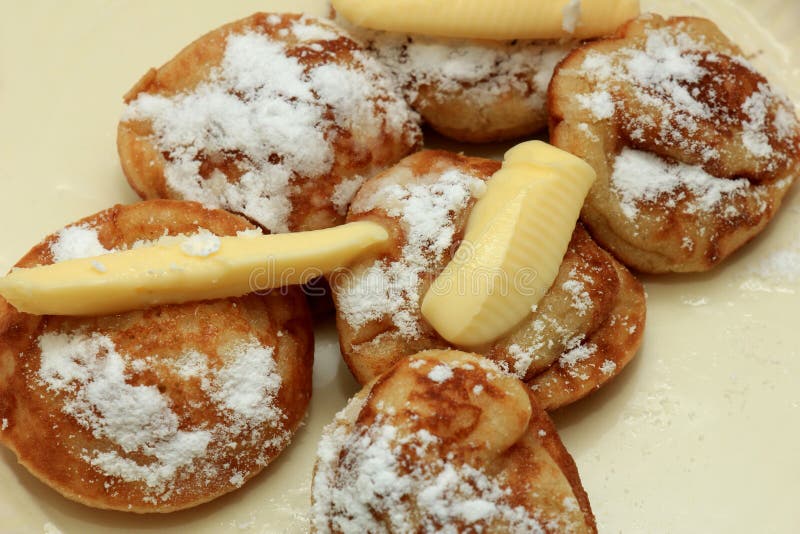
248 384
94 381
344 192
277 114
643 177
91 373
673 80
440 373
82 241
391 288
478 71
389 471
781 266
577 352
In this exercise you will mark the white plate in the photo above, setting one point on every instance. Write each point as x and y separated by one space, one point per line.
700 434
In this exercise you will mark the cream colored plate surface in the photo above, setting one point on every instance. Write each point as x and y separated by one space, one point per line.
700 434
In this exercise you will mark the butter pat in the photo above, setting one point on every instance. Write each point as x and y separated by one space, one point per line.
200 267
498 20
514 243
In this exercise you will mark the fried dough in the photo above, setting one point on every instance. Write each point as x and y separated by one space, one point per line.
160 409
585 329
276 117
693 149
446 441
471 90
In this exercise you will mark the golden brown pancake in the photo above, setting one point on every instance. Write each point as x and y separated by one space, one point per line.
585 329
277 117
468 89
160 409
694 150
445 441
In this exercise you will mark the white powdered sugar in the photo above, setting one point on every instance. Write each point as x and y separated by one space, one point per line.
248 384
576 352
580 299
76 242
93 378
440 373
278 116
782 265
608 367
548 329
82 241
91 374
479 71
385 470
344 192
201 244
664 78
425 209
644 177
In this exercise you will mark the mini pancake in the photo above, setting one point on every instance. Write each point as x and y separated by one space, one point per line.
585 329
160 409
276 117
468 89
694 150
445 441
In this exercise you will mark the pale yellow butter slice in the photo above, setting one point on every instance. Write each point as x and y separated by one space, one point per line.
496 19
196 268
515 240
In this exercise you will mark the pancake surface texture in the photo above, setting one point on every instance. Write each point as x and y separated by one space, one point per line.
446 442
694 150
277 117
583 331
160 409
467 89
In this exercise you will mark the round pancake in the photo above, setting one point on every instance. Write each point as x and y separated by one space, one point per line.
445 441
160 409
277 117
471 90
694 150
585 329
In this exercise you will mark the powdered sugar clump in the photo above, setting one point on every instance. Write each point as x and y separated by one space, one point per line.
440 373
201 244
76 242
425 209
279 116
